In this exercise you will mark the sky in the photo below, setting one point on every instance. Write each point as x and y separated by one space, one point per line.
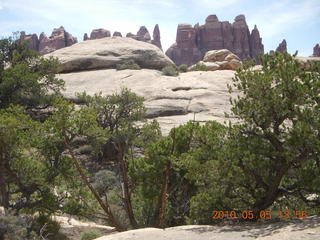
297 21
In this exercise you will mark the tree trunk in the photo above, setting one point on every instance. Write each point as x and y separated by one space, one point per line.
161 210
4 194
272 193
84 178
125 186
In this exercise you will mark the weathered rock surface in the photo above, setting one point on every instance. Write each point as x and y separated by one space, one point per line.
316 51
193 42
170 100
282 46
144 36
59 38
107 52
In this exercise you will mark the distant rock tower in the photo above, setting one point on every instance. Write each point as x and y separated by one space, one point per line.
193 42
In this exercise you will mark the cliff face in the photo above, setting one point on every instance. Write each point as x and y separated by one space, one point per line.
59 38
193 42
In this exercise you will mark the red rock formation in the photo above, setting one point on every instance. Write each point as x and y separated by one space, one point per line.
256 45
144 35
241 46
33 41
99 33
85 37
282 46
130 35
156 37
117 34
59 38
316 51
185 50
193 42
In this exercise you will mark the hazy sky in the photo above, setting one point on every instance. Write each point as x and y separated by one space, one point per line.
298 21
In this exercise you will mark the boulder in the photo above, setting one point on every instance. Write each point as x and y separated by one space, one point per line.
192 43
216 55
316 51
225 59
108 52
210 66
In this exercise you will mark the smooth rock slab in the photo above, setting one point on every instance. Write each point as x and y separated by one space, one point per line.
306 229
108 52
172 101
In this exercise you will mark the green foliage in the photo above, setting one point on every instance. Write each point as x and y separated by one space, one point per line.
199 67
47 228
183 68
91 235
170 71
129 64
26 78
17 228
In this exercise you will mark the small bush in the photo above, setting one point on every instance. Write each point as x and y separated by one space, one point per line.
169 71
91 235
183 68
48 228
200 67
129 64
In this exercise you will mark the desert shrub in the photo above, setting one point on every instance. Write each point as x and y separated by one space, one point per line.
183 68
200 67
105 180
91 235
129 64
47 228
169 71
15 228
